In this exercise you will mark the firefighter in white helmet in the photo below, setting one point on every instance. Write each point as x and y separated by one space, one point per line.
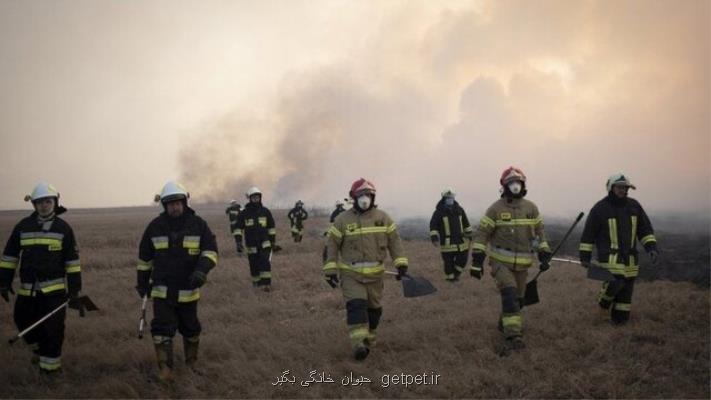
358 243
175 255
42 246
614 226
451 232
297 216
256 225
513 230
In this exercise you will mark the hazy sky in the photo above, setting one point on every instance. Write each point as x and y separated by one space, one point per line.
109 99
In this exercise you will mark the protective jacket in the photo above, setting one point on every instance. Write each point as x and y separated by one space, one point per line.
613 226
513 229
170 251
47 255
233 212
450 226
358 243
297 215
256 224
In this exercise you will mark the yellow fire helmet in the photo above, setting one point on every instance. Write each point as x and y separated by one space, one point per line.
172 191
41 191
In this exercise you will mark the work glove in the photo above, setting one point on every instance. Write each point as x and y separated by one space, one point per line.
586 264
401 271
142 291
5 292
332 280
435 241
197 279
75 302
654 256
276 247
476 271
240 248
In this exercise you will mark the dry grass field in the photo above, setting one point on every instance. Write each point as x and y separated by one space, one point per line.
250 338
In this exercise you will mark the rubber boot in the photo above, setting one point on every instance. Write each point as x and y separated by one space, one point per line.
360 351
164 356
190 350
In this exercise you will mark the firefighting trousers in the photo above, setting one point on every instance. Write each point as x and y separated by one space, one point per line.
512 287
169 316
47 338
617 297
297 232
260 268
363 308
454 263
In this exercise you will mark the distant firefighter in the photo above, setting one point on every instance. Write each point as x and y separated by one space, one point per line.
44 249
339 209
451 232
614 225
358 243
256 224
177 251
297 216
513 229
232 212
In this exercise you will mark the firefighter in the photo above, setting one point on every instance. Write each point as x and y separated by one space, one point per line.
45 249
614 225
233 211
513 230
256 224
451 232
339 209
297 216
358 243
175 255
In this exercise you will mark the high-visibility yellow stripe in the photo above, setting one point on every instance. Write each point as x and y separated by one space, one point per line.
358 332
8 264
211 255
478 246
160 242
434 233
238 232
73 269
461 224
634 231
186 296
612 226
392 228
159 292
623 306
367 230
144 265
52 288
544 246
191 242
365 271
517 222
50 363
265 275
469 229
445 222
486 221
511 320
330 266
475 268
272 231
586 247
512 258
335 232
400 261
54 244
647 239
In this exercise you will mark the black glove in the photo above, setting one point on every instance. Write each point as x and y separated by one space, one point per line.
476 271
435 241
75 302
401 271
654 256
197 279
142 290
240 247
276 247
5 293
544 258
332 280
586 264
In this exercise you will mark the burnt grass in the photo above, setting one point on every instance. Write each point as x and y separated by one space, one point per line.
250 338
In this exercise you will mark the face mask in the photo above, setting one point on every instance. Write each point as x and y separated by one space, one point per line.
364 202
515 187
449 201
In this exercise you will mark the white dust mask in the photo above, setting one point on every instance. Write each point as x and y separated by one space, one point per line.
364 202
515 187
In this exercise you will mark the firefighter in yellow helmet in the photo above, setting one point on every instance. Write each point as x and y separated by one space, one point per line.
358 243
451 232
297 216
513 231
42 246
176 253
614 225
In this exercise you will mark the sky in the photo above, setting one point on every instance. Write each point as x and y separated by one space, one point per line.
108 100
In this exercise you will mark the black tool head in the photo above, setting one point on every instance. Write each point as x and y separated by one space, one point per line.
414 286
531 295
598 273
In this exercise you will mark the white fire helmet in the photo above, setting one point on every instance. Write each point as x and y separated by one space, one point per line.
252 191
619 179
339 203
41 191
172 191
449 192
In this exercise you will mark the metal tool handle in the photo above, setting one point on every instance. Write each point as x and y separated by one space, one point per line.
565 237
33 326
142 322
568 260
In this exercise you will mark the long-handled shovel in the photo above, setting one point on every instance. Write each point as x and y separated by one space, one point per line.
85 302
415 286
531 296
595 272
